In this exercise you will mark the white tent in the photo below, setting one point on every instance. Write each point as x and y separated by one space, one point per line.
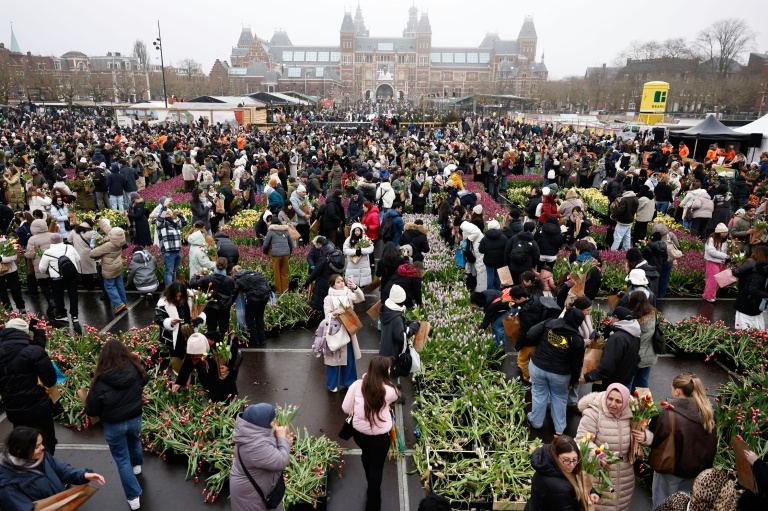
758 126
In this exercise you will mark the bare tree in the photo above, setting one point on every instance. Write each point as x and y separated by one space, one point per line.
97 86
189 67
723 42
70 86
141 53
8 82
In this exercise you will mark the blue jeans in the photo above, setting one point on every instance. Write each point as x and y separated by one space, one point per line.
661 207
498 330
348 372
172 260
125 446
115 289
552 387
666 271
623 233
494 282
641 378
116 202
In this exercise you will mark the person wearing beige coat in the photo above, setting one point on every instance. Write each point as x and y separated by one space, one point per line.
110 255
340 365
606 416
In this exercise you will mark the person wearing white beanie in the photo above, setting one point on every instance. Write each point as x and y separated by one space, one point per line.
491 249
478 209
298 201
715 254
394 328
545 191
219 381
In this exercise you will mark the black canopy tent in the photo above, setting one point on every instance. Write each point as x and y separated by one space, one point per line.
710 130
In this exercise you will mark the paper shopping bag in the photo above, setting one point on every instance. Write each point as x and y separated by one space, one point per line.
82 395
68 500
420 339
725 278
592 356
505 276
512 327
613 301
743 469
351 322
373 312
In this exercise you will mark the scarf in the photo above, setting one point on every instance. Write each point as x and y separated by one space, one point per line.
24 463
583 257
340 296
220 272
624 391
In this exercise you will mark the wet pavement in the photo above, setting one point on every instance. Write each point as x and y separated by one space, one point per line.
286 371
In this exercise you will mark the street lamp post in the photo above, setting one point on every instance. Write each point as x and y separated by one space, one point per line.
158 44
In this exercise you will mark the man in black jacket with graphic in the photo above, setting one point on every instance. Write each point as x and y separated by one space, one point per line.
23 361
621 353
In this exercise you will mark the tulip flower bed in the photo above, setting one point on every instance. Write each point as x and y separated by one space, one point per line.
491 208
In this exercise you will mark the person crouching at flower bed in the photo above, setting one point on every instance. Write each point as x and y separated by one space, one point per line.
217 311
695 435
752 291
262 452
605 422
715 254
559 482
254 288
173 314
341 364
216 376
555 366
495 309
368 401
115 397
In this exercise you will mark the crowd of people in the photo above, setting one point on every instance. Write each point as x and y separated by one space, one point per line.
344 193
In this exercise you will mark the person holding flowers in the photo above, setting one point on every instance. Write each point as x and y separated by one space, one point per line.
199 251
715 253
278 243
110 255
262 452
341 363
9 276
605 424
222 289
559 481
216 372
618 363
139 228
358 249
695 437
173 314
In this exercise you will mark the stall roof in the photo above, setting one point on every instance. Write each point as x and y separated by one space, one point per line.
232 100
276 98
758 126
301 95
187 105
711 128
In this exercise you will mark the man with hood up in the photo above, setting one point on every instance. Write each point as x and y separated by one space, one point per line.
621 353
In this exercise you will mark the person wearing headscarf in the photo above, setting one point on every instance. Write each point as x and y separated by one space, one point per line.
555 366
262 450
605 420
713 490
139 229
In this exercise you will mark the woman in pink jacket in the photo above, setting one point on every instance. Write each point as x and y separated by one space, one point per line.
368 401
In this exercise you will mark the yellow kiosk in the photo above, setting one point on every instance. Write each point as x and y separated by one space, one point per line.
653 103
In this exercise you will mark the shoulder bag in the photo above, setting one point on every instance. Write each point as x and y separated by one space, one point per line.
659 339
275 497
337 340
662 458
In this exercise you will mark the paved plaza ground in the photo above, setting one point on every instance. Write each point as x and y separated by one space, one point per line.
285 371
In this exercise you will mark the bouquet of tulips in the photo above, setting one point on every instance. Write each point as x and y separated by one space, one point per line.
643 408
285 414
200 299
8 247
363 243
594 462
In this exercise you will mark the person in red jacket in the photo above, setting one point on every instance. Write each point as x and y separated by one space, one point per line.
371 223
548 206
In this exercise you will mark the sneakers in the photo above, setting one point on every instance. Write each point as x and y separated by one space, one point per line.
75 319
61 317
137 470
120 308
134 503
334 389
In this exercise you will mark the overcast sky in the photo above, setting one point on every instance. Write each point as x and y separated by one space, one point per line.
573 35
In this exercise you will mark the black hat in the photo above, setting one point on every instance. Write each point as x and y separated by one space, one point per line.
622 313
634 255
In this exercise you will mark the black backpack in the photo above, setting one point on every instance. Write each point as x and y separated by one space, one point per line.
519 254
387 229
67 268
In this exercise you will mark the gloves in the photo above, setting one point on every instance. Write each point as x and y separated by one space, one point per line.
198 322
594 334
358 252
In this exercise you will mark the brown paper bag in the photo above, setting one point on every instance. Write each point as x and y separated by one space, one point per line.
635 448
295 235
613 301
82 394
743 469
315 227
592 356
220 361
54 393
373 286
420 339
350 320
512 327
68 500
197 308
373 312
505 276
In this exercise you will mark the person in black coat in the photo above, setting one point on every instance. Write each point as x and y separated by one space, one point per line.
616 187
752 277
418 194
115 397
331 218
219 381
557 483
514 225
408 277
621 353
572 235
415 235
532 254
740 192
534 199
355 208
140 234
24 362
549 238
225 248
256 290
331 262
492 246
21 484
262 226
217 311
394 328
